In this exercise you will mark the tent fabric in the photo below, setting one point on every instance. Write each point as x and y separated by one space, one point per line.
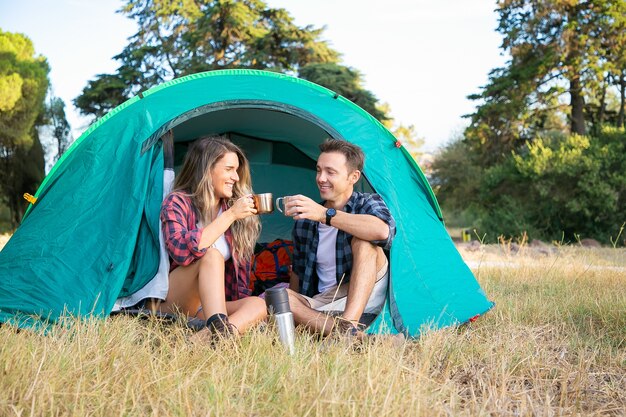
93 234
158 286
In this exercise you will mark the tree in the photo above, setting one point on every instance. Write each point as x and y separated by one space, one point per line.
102 95
407 135
621 122
346 82
566 36
559 185
456 177
177 38
24 173
59 126
23 87
557 48
540 155
615 27
502 122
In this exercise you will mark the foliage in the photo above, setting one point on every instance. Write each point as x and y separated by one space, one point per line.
23 87
544 152
575 184
6 225
407 135
102 95
180 38
344 81
558 49
22 171
558 186
503 122
456 176
58 126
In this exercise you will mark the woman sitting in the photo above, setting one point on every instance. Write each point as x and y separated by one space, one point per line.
210 230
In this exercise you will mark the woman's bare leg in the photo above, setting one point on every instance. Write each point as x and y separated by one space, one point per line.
246 312
201 283
211 283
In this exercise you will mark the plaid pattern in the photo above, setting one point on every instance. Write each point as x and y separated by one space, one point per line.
182 237
306 240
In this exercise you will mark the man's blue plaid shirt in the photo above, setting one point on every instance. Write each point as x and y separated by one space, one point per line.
306 239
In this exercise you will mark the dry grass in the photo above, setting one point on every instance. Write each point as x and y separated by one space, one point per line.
555 344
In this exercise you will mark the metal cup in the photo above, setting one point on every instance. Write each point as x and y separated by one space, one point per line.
284 200
263 203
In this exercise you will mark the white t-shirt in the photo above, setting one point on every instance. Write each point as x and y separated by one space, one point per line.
220 244
326 257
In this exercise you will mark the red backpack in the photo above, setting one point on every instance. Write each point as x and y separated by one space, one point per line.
271 265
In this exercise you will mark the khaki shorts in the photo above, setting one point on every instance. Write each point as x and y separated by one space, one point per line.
334 298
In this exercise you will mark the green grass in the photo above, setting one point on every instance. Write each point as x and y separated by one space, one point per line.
555 344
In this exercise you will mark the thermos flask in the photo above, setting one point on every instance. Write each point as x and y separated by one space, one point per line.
277 301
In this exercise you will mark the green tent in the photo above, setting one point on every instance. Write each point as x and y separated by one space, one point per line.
92 235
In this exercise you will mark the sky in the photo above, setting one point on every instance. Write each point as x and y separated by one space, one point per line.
422 58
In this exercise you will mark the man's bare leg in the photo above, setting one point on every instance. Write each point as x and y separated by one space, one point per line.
303 314
367 259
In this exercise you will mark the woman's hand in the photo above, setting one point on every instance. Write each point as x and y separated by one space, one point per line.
243 207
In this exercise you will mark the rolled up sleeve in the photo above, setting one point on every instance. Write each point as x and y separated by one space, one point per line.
375 206
181 239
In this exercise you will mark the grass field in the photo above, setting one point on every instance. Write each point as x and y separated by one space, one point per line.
555 344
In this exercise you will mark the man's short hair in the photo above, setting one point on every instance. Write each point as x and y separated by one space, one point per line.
354 154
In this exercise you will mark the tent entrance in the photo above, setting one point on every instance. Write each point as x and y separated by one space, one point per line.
281 143
77 246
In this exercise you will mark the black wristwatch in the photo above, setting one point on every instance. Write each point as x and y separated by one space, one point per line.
330 213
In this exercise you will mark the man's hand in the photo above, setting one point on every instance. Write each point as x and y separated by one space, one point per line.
363 226
301 207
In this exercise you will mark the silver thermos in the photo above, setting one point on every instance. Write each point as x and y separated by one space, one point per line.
277 301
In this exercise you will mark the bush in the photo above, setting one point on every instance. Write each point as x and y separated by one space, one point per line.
558 186
456 176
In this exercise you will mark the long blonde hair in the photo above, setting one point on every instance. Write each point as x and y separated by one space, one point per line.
196 182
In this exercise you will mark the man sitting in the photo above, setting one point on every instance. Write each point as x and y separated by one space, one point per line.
340 270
